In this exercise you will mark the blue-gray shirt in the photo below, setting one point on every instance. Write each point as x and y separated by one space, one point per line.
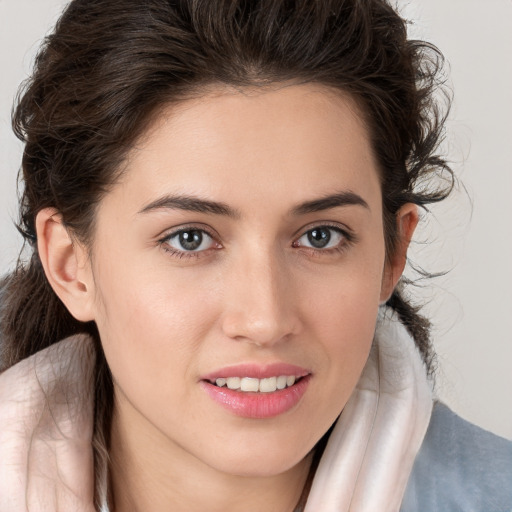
460 467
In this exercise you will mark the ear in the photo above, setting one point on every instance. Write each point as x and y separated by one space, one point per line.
407 219
66 265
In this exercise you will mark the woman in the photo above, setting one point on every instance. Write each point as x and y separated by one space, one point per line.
219 197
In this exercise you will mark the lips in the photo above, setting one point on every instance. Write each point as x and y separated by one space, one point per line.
254 391
257 371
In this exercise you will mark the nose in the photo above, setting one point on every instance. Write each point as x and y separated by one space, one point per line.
260 306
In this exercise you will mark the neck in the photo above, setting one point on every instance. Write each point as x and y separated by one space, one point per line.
150 472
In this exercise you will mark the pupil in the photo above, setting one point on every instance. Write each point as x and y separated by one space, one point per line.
319 238
190 240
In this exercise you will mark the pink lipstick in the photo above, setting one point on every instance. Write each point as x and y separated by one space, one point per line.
257 391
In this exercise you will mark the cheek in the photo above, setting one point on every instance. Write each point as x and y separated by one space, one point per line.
150 321
346 300
342 310
339 316
345 322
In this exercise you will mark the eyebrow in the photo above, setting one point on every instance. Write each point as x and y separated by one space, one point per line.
345 198
196 204
191 204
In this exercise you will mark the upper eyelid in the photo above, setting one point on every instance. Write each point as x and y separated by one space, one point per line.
325 226
171 232
346 236
342 228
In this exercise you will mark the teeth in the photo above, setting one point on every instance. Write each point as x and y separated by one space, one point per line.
281 382
267 385
233 382
248 384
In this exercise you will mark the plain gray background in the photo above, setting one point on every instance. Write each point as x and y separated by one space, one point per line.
471 234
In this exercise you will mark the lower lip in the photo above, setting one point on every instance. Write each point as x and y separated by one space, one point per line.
258 405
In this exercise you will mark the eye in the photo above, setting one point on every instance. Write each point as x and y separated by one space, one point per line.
189 240
322 237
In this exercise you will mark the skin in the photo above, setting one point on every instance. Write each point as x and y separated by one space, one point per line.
256 292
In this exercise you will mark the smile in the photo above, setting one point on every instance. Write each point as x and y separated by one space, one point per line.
250 384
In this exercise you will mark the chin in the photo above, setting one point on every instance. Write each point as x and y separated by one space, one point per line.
259 459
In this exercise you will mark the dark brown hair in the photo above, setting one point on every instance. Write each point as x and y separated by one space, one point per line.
110 65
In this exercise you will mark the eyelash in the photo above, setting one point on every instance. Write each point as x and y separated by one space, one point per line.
347 238
164 242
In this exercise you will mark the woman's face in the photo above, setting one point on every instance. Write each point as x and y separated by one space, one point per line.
243 242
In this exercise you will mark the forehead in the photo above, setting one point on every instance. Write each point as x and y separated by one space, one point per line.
302 139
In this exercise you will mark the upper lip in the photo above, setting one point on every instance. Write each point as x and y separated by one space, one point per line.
256 371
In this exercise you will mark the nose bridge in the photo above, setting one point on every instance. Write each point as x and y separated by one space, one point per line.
259 306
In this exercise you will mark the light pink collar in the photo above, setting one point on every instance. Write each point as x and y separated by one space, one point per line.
371 451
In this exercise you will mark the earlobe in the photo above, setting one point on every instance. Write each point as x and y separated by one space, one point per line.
407 219
65 264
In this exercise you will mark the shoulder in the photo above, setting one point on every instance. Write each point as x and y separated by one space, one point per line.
460 467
